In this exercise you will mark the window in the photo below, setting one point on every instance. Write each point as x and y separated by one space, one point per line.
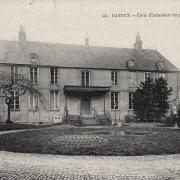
85 78
34 57
114 78
54 100
54 75
163 75
160 65
14 74
114 100
131 77
15 102
131 95
34 75
147 75
130 64
33 101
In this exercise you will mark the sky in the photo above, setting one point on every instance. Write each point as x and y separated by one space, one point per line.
68 22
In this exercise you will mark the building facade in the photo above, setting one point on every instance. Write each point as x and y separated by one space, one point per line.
82 83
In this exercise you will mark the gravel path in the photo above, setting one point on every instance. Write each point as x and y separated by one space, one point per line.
19 166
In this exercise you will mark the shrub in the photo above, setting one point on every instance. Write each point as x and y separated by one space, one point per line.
170 120
130 118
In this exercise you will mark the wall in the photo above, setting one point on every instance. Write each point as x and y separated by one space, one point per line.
68 76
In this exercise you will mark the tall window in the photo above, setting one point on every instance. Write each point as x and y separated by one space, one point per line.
114 100
131 95
85 78
147 75
15 102
54 75
132 77
33 101
14 73
54 100
34 75
114 78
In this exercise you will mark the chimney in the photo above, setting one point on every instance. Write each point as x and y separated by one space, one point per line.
138 43
86 40
22 35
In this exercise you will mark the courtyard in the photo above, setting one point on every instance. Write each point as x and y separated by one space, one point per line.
57 167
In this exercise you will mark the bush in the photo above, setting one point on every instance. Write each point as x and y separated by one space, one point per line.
131 118
170 120
178 122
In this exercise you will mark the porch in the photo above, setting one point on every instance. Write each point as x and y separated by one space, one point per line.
89 105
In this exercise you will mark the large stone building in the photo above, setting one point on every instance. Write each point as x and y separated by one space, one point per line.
85 84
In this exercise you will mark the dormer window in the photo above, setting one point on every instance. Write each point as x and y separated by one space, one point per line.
34 57
130 64
160 65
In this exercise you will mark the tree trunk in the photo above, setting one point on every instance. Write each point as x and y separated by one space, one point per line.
9 111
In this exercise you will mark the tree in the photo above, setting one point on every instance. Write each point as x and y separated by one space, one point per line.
161 96
151 99
13 86
143 100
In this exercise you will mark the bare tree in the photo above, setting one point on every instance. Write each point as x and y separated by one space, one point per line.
12 86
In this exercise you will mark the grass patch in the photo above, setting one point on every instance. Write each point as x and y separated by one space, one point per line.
85 141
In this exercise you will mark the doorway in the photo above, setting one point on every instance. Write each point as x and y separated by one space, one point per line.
85 105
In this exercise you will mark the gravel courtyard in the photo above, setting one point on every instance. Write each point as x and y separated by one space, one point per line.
19 166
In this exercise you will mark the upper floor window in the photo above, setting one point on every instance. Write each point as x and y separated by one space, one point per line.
34 75
85 78
15 101
14 73
132 77
54 100
33 101
147 75
131 95
114 100
114 78
54 75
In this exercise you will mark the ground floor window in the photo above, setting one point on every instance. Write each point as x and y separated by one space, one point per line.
15 101
131 95
33 101
54 100
114 100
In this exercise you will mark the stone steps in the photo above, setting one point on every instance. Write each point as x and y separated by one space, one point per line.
89 120
74 120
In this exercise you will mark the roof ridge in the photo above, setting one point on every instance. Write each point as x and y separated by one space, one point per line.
77 45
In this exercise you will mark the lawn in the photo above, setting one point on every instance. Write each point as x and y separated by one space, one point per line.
94 141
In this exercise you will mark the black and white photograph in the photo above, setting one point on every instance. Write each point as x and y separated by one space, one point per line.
89 90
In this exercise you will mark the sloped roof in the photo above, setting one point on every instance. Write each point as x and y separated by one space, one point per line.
66 55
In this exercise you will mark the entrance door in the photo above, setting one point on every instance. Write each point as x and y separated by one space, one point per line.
85 105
